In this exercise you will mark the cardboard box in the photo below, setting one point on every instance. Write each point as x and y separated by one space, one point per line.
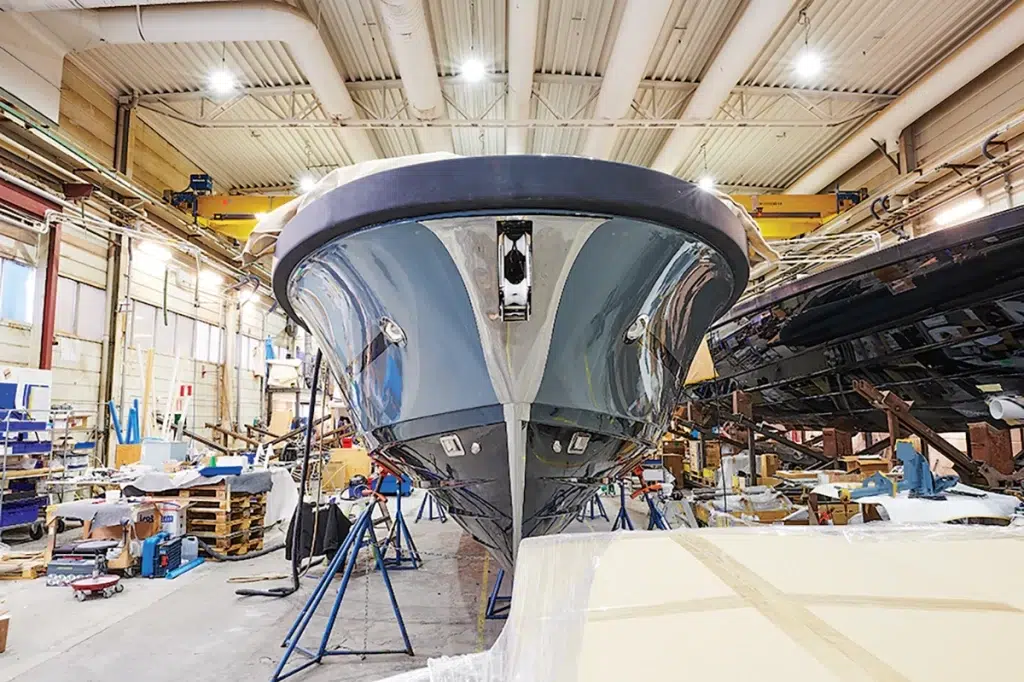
127 454
173 519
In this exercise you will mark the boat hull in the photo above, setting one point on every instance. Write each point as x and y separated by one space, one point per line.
938 320
513 423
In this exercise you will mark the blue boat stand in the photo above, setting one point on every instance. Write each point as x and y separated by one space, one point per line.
498 605
429 503
407 558
360 535
622 520
593 508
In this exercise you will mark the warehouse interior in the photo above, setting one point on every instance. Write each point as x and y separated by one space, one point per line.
485 340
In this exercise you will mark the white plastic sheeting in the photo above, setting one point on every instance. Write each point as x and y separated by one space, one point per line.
907 606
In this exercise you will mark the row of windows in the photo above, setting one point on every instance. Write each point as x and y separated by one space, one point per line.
81 309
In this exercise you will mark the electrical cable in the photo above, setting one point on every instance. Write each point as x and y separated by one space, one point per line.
279 592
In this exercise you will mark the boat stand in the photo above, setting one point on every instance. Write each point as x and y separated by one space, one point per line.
593 508
430 504
498 605
406 558
360 535
658 519
622 520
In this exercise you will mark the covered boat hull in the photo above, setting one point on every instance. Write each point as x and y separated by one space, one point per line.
512 401
939 320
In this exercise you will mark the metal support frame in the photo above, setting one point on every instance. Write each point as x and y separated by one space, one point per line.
593 508
407 558
498 605
656 518
898 415
429 504
622 520
360 535
779 438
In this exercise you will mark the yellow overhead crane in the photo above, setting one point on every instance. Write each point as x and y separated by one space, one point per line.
784 216
780 216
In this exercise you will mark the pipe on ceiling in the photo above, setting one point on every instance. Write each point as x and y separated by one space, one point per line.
1001 37
521 49
748 38
642 21
216 22
406 24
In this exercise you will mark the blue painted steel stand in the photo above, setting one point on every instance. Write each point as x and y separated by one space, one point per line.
430 504
593 508
498 605
405 559
658 519
622 520
360 535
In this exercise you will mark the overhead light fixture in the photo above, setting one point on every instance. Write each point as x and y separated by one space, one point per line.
956 213
221 81
706 183
473 70
211 278
306 184
155 251
809 64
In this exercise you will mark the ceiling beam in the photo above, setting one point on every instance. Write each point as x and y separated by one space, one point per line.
544 78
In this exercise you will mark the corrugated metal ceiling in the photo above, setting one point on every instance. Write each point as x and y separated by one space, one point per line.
873 46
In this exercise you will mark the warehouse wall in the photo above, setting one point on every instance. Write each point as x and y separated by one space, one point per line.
87 117
18 248
994 96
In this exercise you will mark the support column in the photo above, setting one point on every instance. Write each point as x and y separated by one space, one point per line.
49 317
836 443
991 446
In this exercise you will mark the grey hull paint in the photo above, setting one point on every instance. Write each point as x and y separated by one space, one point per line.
515 394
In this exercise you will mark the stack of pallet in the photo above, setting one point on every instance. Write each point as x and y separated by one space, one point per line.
230 522
22 566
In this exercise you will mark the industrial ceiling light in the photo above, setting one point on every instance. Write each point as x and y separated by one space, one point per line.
221 81
473 70
706 183
809 63
956 213
306 184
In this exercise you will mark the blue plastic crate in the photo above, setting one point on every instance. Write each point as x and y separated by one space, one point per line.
21 512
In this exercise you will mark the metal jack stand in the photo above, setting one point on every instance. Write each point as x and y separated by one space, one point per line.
498 605
622 520
593 508
430 504
658 519
360 535
406 559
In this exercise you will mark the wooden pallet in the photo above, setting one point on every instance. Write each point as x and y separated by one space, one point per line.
22 566
241 547
217 527
224 541
220 500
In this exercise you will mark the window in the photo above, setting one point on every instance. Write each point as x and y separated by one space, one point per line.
184 333
256 356
208 343
81 309
165 334
67 301
202 342
143 325
17 291
91 313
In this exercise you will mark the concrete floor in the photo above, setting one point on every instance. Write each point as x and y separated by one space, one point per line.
195 628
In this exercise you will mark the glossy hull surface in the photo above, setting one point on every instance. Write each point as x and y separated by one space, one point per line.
512 423
939 320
